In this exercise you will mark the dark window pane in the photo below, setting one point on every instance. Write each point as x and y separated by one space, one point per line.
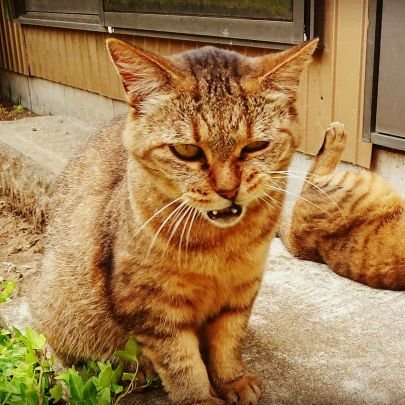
257 9
62 6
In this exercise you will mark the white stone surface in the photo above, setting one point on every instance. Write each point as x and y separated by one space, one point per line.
50 141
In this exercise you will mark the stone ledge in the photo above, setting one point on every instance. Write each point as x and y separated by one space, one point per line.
33 151
25 186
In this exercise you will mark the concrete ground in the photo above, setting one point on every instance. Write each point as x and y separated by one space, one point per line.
314 337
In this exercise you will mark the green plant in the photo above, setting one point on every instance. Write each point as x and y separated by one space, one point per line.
96 384
6 289
18 107
27 375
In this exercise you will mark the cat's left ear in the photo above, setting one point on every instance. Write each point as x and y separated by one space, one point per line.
143 74
280 71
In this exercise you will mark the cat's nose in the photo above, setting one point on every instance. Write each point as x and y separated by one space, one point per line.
228 194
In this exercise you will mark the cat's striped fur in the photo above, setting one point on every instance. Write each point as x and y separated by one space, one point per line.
131 249
354 222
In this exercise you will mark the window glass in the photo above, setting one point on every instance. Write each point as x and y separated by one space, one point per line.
279 10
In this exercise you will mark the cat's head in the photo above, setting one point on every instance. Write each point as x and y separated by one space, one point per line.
210 125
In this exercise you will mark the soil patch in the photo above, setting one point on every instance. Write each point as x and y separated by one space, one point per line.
20 251
10 111
20 244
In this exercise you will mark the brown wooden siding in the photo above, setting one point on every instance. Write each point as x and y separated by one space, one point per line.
13 54
331 89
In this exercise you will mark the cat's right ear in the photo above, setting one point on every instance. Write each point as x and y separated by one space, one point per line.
143 73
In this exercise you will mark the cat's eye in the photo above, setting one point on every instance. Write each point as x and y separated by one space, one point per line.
255 146
187 151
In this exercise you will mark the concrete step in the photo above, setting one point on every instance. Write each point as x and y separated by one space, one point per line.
33 151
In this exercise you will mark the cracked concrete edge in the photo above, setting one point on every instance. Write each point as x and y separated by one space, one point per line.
25 186
16 313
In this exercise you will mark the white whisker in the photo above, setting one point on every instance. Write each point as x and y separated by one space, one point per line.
162 226
294 171
196 212
189 212
321 190
273 203
155 215
173 227
298 196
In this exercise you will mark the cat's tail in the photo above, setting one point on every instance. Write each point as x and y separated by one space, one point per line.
330 153
323 164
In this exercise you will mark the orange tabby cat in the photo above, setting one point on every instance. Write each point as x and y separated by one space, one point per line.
160 227
354 222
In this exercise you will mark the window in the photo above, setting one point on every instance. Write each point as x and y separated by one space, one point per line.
245 22
384 103
260 9
277 21
79 14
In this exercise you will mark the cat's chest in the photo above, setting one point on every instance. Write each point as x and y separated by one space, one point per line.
207 294
188 292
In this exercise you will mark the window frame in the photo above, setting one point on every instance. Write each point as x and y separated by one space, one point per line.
231 31
224 28
370 133
78 21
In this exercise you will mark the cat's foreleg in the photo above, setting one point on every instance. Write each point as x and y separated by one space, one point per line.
178 361
224 337
331 151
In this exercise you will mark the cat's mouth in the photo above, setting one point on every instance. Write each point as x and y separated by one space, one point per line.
227 216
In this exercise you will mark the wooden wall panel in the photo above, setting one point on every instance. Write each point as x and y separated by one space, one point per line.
349 73
318 92
12 48
74 58
333 88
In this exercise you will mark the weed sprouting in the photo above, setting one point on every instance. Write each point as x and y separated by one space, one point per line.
27 374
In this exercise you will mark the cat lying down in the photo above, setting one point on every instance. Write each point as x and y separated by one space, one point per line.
353 222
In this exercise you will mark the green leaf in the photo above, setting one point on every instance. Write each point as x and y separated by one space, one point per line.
133 347
102 365
105 377
117 374
7 387
90 393
37 341
31 398
116 389
75 385
64 376
124 355
92 365
7 288
104 397
85 373
56 392
151 380
128 376
31 357
19 335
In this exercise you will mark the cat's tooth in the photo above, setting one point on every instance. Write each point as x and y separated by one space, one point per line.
234 211
214 212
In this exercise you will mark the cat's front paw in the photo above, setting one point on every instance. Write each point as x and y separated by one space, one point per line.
335 137
245 390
